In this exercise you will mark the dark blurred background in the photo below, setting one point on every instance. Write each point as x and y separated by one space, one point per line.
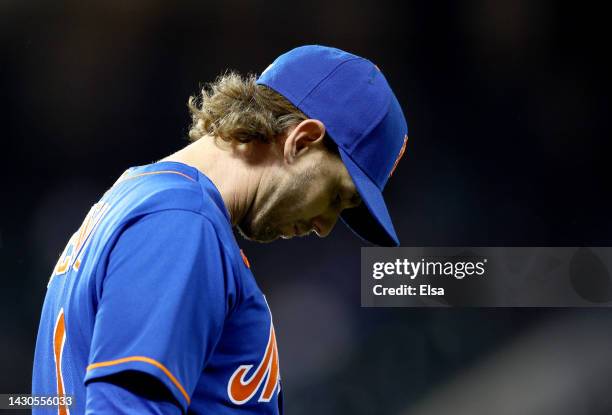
508 111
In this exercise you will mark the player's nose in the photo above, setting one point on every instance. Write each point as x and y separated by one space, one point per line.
324 225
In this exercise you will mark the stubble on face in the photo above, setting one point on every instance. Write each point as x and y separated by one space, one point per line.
280 210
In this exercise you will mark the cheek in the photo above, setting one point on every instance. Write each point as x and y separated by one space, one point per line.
304 198
315 202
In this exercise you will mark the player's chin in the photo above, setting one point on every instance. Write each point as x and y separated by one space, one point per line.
255 235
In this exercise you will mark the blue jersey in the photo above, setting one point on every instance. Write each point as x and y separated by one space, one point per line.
153 281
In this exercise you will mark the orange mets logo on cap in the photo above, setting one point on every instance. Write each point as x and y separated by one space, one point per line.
400 155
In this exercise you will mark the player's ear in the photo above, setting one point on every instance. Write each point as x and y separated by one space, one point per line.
302 137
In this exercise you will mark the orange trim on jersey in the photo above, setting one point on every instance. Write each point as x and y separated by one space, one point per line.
121 180
146 360
59 339
245 259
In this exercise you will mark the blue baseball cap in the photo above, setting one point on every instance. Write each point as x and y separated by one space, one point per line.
362 116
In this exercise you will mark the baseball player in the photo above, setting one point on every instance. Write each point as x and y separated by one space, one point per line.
152 307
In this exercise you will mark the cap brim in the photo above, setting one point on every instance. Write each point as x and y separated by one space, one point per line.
370 220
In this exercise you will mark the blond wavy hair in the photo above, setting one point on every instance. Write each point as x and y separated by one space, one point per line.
235 107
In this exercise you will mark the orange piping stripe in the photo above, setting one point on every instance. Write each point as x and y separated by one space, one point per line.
59 338
155 172
400 155
146 360
245 259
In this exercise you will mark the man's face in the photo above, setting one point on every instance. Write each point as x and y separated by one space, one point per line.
300 198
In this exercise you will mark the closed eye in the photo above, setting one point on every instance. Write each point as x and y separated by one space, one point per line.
349 203
355 199
338 200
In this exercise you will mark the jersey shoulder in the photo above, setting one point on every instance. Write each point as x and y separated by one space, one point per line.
164 186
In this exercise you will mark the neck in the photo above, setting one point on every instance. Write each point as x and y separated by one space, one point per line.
236 180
